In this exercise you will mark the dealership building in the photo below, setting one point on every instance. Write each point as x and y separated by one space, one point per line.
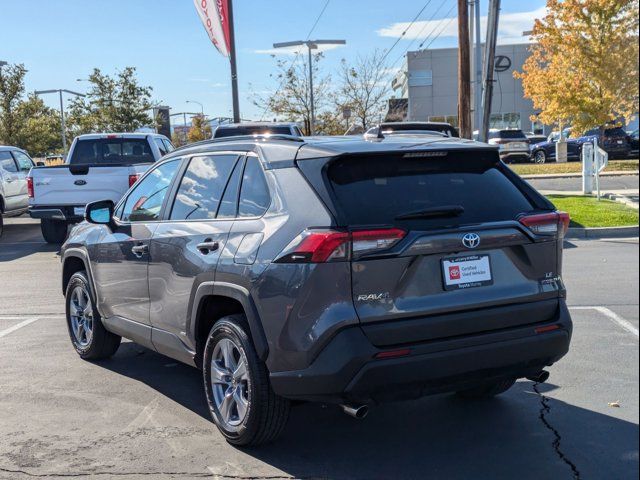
429 80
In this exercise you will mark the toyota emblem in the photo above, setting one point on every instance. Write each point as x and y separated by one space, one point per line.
471 240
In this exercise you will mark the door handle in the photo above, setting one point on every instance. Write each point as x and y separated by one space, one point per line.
140 250
207 246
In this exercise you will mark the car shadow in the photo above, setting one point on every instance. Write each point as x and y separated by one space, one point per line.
21 237
435 437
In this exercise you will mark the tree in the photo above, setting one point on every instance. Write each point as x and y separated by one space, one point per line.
39 131
113 104
291 100
364 88
583 67
11 92
200 129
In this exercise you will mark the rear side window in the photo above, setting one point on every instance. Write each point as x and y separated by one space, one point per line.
254 195
161 146
376 191
202 187
7 163
118 151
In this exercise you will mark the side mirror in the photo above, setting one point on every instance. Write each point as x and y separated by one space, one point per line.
100 212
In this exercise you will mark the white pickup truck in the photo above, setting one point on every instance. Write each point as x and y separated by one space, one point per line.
98 167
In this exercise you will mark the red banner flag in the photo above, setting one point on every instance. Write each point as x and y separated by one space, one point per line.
215 18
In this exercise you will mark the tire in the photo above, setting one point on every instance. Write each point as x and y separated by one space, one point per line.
489 390
539 157
53 231
243 406
88 336
1 223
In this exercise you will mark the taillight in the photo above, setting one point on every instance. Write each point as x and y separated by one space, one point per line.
30 187
554 223
133 179
319 246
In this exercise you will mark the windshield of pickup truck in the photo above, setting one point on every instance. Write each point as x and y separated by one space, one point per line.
112 151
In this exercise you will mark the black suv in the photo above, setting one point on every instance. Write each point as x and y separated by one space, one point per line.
337 270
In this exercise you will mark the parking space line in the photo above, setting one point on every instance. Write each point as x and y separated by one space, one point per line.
18 326
613 316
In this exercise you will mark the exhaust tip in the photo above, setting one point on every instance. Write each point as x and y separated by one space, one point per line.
356 411
540 377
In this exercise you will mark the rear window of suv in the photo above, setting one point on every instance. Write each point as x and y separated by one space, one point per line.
118 151
509 134
251 130
376 191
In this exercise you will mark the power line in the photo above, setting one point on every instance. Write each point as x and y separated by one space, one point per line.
444 27
405 31
295 59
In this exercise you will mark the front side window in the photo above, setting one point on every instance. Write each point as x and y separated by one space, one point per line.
24 162
7 163
145 201
254 194
202 187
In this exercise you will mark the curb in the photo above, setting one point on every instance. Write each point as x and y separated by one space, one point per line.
602 232
542 176
625 200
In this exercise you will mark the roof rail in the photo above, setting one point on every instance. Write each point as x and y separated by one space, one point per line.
278 136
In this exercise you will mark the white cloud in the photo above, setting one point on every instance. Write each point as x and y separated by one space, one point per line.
510 27
295 50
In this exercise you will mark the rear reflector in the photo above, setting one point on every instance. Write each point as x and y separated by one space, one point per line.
403 352
548 328
554 223
133 179
30 187
319 246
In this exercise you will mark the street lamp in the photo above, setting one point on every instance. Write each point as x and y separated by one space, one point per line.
311 45
198 103
60 91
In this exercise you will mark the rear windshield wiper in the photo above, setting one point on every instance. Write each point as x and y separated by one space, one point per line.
441 211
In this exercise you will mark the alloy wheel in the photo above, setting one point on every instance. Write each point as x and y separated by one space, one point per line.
230 383
81 313
540 157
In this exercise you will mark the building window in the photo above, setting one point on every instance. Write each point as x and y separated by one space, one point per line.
450 119
504 120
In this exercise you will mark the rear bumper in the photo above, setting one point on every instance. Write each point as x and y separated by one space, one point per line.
63 213
347 370
513 155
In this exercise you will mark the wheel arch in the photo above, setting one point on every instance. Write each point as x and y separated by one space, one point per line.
214 300
74 261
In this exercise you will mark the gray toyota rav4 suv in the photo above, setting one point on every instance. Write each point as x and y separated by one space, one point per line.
337 270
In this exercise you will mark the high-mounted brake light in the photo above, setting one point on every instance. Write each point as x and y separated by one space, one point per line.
133 179
319 246
30 187
555 223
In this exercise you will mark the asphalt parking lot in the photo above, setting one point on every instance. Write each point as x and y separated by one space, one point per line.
140 414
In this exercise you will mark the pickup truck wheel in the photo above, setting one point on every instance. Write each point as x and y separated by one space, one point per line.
488 390
53 231
242 404
88 336
1 223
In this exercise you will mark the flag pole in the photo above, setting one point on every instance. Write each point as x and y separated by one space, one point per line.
232 60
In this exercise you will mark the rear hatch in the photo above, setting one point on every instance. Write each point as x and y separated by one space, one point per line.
437 235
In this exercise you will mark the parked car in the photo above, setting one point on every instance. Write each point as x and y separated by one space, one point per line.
633 144
15 164
546 151
612 140
257 128
412 128
98 166
512 144
337 270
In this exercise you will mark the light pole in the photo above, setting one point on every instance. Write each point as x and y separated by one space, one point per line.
60 91
311 45
197 103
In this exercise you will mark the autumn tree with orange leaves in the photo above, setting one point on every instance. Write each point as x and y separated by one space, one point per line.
583 67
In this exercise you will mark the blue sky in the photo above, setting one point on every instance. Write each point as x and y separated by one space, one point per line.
60 41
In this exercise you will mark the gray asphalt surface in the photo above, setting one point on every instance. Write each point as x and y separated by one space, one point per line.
623 182
140 414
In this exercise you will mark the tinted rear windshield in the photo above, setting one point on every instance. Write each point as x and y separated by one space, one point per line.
508 134
251 130
119 151
416 127
378 190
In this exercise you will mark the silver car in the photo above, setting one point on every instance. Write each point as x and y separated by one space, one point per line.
15 164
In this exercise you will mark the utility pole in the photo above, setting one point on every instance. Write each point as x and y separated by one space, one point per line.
477 60
311 45
232 60
489 61
464 71
62 122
